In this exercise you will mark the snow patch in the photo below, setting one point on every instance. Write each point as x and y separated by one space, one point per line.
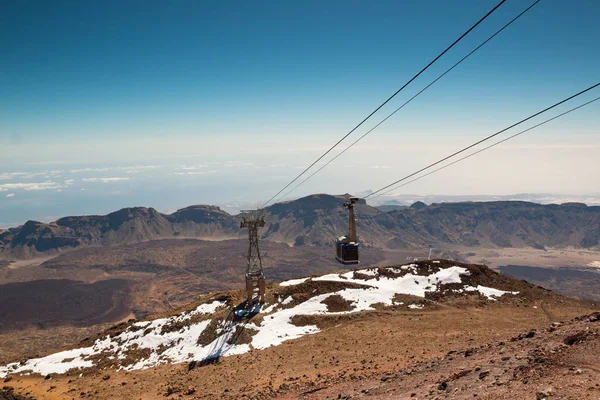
488 292
595 264
293 282
181 345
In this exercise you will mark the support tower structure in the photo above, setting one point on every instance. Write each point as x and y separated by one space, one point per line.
255 279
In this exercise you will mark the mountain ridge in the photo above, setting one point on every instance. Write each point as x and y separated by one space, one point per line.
316 219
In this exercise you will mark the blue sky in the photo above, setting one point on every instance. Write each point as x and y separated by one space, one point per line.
267 86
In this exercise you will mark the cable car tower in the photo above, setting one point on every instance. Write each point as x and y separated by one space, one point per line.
255 279
346 247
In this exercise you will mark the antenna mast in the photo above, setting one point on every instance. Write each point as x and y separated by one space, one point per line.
255 279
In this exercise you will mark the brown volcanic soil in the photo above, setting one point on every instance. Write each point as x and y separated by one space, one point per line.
51 312
383 355
391 353
54 302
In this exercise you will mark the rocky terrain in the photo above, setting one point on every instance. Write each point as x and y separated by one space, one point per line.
431 329
75 293
316 219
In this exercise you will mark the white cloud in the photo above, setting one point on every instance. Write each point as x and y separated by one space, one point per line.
10 175
10 195
48 185
192 167
237 164
105 180
138 169
193 173
74 171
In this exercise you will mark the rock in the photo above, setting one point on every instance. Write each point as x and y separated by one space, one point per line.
171 390
459 374
106 377
572 339
48 377
191 390
483 374
8 379
530 334
544 394
443 386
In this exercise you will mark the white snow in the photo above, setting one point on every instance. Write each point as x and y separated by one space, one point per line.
180 344
595 264
276 326
292 282
488 292
368 272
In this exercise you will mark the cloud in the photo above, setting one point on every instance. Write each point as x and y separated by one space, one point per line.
128 170
10 195
193 173
138 168
30 175
192 167
105 180
75 171
10 175
237 164
48 185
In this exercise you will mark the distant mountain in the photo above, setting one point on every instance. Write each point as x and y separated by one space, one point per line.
129 225
390 207
317 219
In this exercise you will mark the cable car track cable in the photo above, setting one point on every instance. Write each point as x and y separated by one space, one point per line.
409 100
386 101
482 140
490 146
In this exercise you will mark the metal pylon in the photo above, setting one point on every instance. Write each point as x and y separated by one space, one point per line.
255 279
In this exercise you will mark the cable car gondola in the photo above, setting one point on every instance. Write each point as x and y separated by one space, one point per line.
346 247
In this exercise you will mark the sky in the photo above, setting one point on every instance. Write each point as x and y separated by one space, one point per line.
112 104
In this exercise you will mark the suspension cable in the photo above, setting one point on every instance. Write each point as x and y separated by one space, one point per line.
409 100
482 140
489 147
388 100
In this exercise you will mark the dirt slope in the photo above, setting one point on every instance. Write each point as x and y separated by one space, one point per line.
357 350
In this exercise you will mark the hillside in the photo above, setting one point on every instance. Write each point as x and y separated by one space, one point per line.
128 225
370 323
315 220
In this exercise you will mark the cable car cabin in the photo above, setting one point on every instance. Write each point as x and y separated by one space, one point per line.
346 253
346 247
